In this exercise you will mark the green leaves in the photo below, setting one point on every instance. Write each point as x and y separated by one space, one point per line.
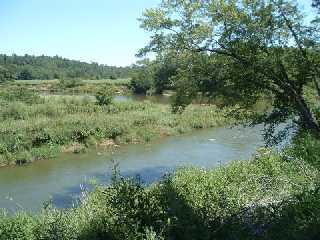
253 48
104 96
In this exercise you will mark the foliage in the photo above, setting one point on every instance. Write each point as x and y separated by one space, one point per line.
259 48
154 76
104 96
185 92
307 148
25 74
43 67
141 82
5 75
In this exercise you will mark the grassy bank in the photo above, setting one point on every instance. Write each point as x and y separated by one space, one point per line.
272 196
34 128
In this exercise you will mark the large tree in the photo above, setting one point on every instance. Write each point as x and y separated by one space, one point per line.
263 44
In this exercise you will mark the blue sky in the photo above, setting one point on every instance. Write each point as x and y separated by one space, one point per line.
103 31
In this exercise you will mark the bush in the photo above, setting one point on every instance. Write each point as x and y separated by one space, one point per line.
306 147
105 96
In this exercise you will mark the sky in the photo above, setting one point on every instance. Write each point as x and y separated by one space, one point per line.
103 31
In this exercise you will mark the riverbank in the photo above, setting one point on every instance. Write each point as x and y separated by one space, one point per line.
272 196
35 128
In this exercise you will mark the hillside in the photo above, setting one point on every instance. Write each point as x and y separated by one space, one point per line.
45 67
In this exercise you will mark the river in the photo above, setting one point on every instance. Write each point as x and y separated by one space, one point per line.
62 179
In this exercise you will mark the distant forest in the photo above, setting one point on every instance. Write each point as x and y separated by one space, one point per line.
29 67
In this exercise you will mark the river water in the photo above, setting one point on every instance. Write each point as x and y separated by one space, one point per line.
61 179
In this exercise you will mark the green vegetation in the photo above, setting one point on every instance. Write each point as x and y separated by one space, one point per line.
272 196
43 67
105 96
237 51
153 77
34 127
70 86
241 51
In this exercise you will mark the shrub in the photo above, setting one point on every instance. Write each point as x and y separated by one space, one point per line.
105 95
306 147
16 228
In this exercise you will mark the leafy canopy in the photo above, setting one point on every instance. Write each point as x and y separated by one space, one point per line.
259 48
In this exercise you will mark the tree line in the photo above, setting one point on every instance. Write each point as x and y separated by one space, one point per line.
29 67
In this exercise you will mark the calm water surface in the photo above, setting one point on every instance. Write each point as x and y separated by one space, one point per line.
62 179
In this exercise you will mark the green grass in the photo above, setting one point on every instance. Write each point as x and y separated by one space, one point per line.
32 126
267 197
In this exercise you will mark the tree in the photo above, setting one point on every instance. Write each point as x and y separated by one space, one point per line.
5 75
142 77
164 68
45 67
25 74
264 44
